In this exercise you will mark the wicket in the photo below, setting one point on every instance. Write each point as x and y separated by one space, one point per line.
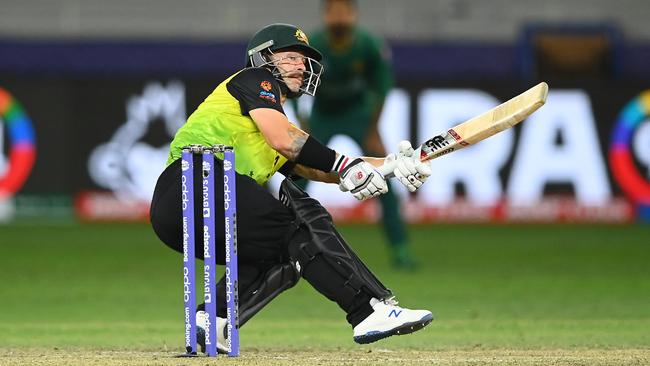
209 249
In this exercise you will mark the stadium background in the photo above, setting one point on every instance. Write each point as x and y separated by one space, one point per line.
77 68
92 91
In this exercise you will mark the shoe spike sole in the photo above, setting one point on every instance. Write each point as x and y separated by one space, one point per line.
406 328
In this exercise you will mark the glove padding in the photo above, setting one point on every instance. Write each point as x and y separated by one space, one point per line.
362 180
410 171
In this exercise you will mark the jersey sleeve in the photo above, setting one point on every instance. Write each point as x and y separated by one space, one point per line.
255 88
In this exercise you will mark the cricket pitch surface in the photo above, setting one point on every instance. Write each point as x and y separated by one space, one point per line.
592 357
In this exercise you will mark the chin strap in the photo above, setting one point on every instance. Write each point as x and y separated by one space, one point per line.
284 89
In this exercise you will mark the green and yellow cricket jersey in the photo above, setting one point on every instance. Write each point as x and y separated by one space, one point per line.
223 118
355 82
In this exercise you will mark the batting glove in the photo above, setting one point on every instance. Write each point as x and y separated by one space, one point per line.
362 180
410 171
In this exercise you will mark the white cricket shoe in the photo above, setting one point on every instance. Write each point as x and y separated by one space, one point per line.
201 324
389 319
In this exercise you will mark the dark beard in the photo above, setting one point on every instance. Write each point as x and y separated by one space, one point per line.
284 89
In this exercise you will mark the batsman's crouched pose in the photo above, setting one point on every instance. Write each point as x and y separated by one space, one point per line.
281 241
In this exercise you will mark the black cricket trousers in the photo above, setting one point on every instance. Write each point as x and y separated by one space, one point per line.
263 230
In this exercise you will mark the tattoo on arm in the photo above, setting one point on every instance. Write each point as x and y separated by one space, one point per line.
298 139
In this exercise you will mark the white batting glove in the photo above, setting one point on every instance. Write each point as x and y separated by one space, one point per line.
362 180
410 171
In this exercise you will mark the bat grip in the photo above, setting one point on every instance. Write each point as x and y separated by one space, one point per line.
387 169
389 166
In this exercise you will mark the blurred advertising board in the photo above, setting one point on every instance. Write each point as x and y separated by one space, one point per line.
584 157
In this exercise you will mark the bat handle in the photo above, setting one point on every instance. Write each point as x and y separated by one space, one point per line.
389 166
387 169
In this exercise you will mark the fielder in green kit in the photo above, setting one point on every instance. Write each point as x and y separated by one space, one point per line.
355 82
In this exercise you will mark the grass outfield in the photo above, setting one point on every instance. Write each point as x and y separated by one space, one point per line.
110 294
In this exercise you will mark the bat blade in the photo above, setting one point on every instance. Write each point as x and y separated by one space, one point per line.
480 127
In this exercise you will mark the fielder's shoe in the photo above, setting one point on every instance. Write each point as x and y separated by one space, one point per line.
389 319
201 323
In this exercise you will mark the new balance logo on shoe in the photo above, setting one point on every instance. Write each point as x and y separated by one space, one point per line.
388 319
395 313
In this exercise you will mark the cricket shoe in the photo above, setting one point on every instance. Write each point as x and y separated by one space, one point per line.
201 324
388 319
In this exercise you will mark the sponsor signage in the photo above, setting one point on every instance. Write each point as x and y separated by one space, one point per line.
583 157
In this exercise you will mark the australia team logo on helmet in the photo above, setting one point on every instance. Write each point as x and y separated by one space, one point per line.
301 36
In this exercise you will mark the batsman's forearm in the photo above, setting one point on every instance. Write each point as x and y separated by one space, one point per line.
294 143
376 162
292 150
307 151
315 174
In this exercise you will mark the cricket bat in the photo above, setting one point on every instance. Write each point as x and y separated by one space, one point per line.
480 127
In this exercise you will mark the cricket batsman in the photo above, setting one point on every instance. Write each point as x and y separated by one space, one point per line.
281 241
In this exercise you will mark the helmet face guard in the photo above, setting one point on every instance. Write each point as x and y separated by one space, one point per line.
260 56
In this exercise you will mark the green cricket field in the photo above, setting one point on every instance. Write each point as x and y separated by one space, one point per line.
110 294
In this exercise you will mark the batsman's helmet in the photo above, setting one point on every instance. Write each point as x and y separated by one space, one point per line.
285 37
